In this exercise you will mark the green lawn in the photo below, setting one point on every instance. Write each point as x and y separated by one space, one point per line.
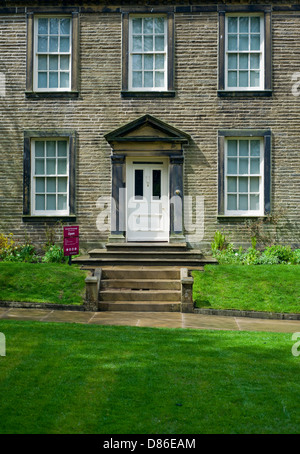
274 288
72 378
42 283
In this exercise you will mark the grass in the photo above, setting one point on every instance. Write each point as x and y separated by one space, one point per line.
42 283
72 378
274 288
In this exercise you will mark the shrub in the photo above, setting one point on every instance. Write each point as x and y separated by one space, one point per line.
54 254
12 252
283 253
296 256
219 242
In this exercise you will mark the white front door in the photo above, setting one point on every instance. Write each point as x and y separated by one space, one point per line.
147 199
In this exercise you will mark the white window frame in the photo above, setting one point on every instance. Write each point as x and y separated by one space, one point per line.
164 52
36 53
261 52
35 212
248 212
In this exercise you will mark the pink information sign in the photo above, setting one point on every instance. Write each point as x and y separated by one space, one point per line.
71 240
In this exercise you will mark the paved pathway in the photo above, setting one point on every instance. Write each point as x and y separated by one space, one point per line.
152 319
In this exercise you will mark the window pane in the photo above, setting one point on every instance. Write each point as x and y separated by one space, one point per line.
42 80
231 202
255 42
62 184
243 147
232 42
40 185
159 62
53 80
64 44
148 25
232 78
53 26
62 202
243 79
232 166
156 187
254 166
64 80
42 62
243 184
231 184
39 148
232 147
51 202
243 202
159 25
51 184
244 25
61 166
40 202
53 44
148 62
136 62
159 43
137 44
148 43
64 62
42 44
53 62
148 79
254 202
137 79
243 166
254 79
138 184
159 79
65 26
50 167
62 148
254 61
255 25
232 24
254 184
255 147
39 166
137 25
232 61
50 146
243 61
244 42
43 26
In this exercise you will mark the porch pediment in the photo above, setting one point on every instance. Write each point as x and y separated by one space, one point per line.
146 130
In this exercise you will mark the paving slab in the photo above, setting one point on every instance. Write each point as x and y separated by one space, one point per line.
25 314
69 316
277 326
198 321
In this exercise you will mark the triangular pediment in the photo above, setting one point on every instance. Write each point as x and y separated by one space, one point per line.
146 129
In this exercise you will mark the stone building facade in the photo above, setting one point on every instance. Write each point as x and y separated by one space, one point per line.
150 121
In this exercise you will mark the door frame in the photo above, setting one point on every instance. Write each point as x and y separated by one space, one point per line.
129 163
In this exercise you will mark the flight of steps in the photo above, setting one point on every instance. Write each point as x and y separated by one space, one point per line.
140 289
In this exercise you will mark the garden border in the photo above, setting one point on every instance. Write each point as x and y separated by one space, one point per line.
250 314
28 305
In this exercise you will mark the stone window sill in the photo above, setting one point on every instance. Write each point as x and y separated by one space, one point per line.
244 94
52 94
29 218
148 94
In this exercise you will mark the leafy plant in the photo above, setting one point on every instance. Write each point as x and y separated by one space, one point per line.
54 254
219 242
283 253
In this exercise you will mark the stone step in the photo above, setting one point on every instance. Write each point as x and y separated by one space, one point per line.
140 306
140 273
143 261
141 247
141 284
146 254
139 295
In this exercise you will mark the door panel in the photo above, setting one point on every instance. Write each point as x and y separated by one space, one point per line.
147 200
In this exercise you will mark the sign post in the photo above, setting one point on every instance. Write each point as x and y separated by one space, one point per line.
71 241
